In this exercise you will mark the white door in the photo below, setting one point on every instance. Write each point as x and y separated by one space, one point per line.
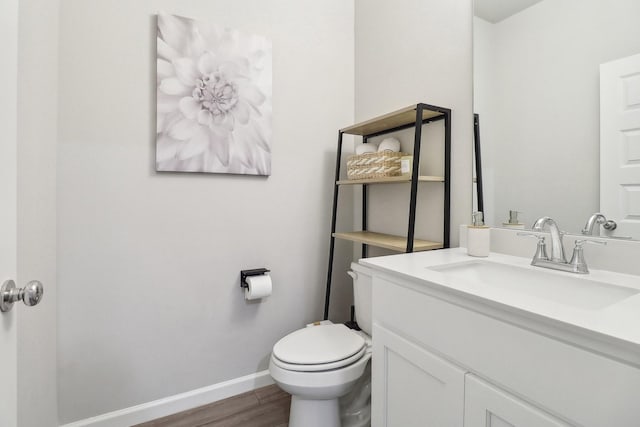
487 406
620 144
412 387
8 205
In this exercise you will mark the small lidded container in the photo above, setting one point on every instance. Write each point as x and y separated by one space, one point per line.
478 237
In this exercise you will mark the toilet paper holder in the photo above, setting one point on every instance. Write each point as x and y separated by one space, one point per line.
253 272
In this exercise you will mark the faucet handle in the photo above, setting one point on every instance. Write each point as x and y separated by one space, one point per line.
581 242
541 249
577 259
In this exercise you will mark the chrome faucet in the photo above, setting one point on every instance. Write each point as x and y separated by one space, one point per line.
557 249
598 218
557 260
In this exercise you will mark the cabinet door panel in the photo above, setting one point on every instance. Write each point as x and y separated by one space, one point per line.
488 406
411 386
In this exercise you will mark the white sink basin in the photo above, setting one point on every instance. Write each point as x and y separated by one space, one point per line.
564 288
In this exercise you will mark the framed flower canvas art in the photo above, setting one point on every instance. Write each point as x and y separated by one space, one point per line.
213 99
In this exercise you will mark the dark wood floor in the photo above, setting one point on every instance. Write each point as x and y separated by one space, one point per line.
263 407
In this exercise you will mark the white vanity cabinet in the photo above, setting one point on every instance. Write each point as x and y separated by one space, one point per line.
442 359
487 406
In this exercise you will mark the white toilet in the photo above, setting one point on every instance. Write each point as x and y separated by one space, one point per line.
319 364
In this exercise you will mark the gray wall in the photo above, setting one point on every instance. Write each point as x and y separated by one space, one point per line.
149 304
149 297
411 51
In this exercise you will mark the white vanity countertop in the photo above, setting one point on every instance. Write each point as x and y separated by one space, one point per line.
616 326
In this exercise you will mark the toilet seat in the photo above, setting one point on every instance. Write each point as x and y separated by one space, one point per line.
319 348
320 366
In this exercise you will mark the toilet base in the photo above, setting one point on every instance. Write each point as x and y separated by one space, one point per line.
314 413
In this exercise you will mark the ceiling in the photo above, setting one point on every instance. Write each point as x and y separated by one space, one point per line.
497 10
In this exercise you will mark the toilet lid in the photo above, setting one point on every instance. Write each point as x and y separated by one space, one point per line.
318 345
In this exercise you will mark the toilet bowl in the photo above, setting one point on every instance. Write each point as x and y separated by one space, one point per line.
317 366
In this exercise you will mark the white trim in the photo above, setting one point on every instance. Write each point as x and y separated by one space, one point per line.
177 403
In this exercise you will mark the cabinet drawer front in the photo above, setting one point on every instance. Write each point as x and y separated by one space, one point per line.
412 387
585 388
488 406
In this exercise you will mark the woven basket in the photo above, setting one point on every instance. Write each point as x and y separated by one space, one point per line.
374 165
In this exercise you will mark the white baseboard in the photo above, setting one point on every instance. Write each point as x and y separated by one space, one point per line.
177 403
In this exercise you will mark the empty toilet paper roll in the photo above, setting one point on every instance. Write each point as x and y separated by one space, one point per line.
258 287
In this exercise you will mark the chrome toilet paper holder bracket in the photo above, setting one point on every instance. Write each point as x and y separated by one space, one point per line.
253 272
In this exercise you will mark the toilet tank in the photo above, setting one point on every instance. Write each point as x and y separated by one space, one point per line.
361 296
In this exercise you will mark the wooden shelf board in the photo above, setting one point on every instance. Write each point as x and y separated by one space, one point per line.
388 121
390 180
388 241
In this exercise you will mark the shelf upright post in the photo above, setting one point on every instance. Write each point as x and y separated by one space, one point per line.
414 177
447 179
334 213
478 158
365 190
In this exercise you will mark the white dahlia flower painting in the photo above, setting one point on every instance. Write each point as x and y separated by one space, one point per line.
213 99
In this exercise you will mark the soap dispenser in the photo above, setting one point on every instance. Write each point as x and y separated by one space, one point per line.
478 237
513 221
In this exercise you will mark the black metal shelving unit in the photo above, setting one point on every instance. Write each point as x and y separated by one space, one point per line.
413 116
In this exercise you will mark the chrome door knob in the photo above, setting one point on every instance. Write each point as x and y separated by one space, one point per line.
30 294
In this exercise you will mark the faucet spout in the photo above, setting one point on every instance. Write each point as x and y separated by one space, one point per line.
596 218
557 249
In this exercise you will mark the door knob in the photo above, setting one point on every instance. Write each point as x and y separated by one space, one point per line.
31 294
